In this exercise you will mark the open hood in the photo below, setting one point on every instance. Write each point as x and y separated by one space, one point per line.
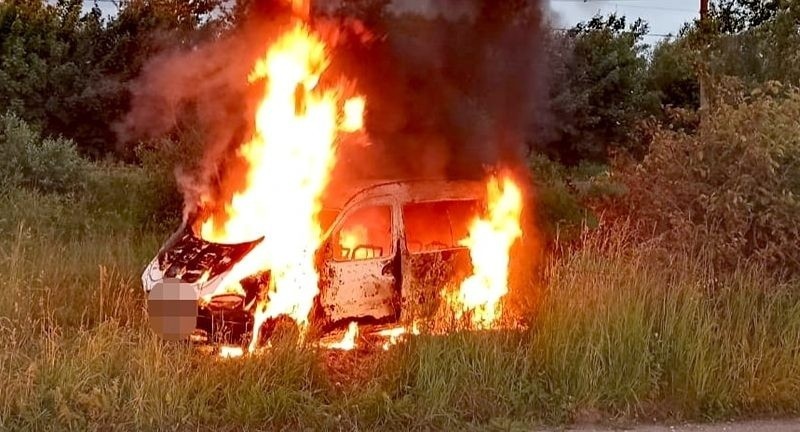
188 257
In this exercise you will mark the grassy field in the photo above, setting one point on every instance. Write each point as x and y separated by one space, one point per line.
618 335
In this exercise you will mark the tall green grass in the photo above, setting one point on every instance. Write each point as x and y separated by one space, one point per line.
618 333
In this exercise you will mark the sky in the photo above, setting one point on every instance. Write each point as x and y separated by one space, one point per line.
664 16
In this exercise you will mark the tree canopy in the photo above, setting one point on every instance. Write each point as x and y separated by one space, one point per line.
68 70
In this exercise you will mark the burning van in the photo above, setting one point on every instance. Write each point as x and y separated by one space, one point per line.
271 238
387 250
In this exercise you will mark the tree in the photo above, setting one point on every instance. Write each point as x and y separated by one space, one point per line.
671 74
68 71
758 42
46 57
734 16
598 89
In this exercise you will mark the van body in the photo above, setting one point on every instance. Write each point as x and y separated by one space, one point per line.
388 250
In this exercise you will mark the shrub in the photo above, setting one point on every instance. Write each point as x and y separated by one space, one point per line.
45 165
124 197
163 161
116 200
566 196
733 187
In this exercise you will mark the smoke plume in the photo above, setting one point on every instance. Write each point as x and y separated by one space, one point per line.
452 86
200 96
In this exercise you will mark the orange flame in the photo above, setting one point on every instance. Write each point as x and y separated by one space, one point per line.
227 351
348 341
350 239
489 242
289 160
301 8
354 114
204 277
396 334
393 335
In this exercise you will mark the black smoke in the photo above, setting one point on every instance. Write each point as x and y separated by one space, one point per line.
448 93
450 90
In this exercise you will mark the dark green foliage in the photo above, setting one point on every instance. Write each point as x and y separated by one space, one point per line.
49 56
732 188
565 196
768 51
672 76
49 188
733 16
598 91
68 72
122 196
45 165
164 160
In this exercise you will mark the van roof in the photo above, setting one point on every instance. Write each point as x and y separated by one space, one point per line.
412 190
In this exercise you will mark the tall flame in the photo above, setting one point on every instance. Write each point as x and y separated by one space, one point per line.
289 158
489 242
348 342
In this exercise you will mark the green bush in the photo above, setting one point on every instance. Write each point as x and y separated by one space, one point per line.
127 196
45 165
731 189
566 196
115 200
164 161
48 189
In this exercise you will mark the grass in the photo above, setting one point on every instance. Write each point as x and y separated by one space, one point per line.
619 334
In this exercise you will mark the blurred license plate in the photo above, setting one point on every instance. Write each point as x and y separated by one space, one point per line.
172 309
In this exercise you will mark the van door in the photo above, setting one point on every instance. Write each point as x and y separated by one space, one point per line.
433 257
361 266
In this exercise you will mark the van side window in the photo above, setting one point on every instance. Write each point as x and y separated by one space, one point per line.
438 225
365 234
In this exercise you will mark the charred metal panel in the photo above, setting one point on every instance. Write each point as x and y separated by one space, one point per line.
426 274
225 320
189 257
359 289
418 278
378 288
403 192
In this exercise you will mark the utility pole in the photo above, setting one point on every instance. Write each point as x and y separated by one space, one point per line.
703 66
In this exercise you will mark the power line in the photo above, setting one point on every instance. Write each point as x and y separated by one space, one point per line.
626 4
604 1
659 8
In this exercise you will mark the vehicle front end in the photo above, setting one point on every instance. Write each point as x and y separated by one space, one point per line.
183 288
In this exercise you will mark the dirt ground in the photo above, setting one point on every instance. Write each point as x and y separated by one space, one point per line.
749 426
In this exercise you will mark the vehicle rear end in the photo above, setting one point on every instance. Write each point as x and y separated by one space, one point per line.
434 260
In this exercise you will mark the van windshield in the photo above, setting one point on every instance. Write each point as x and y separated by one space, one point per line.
438 225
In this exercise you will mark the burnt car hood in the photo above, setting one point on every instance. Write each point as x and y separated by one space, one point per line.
188 257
